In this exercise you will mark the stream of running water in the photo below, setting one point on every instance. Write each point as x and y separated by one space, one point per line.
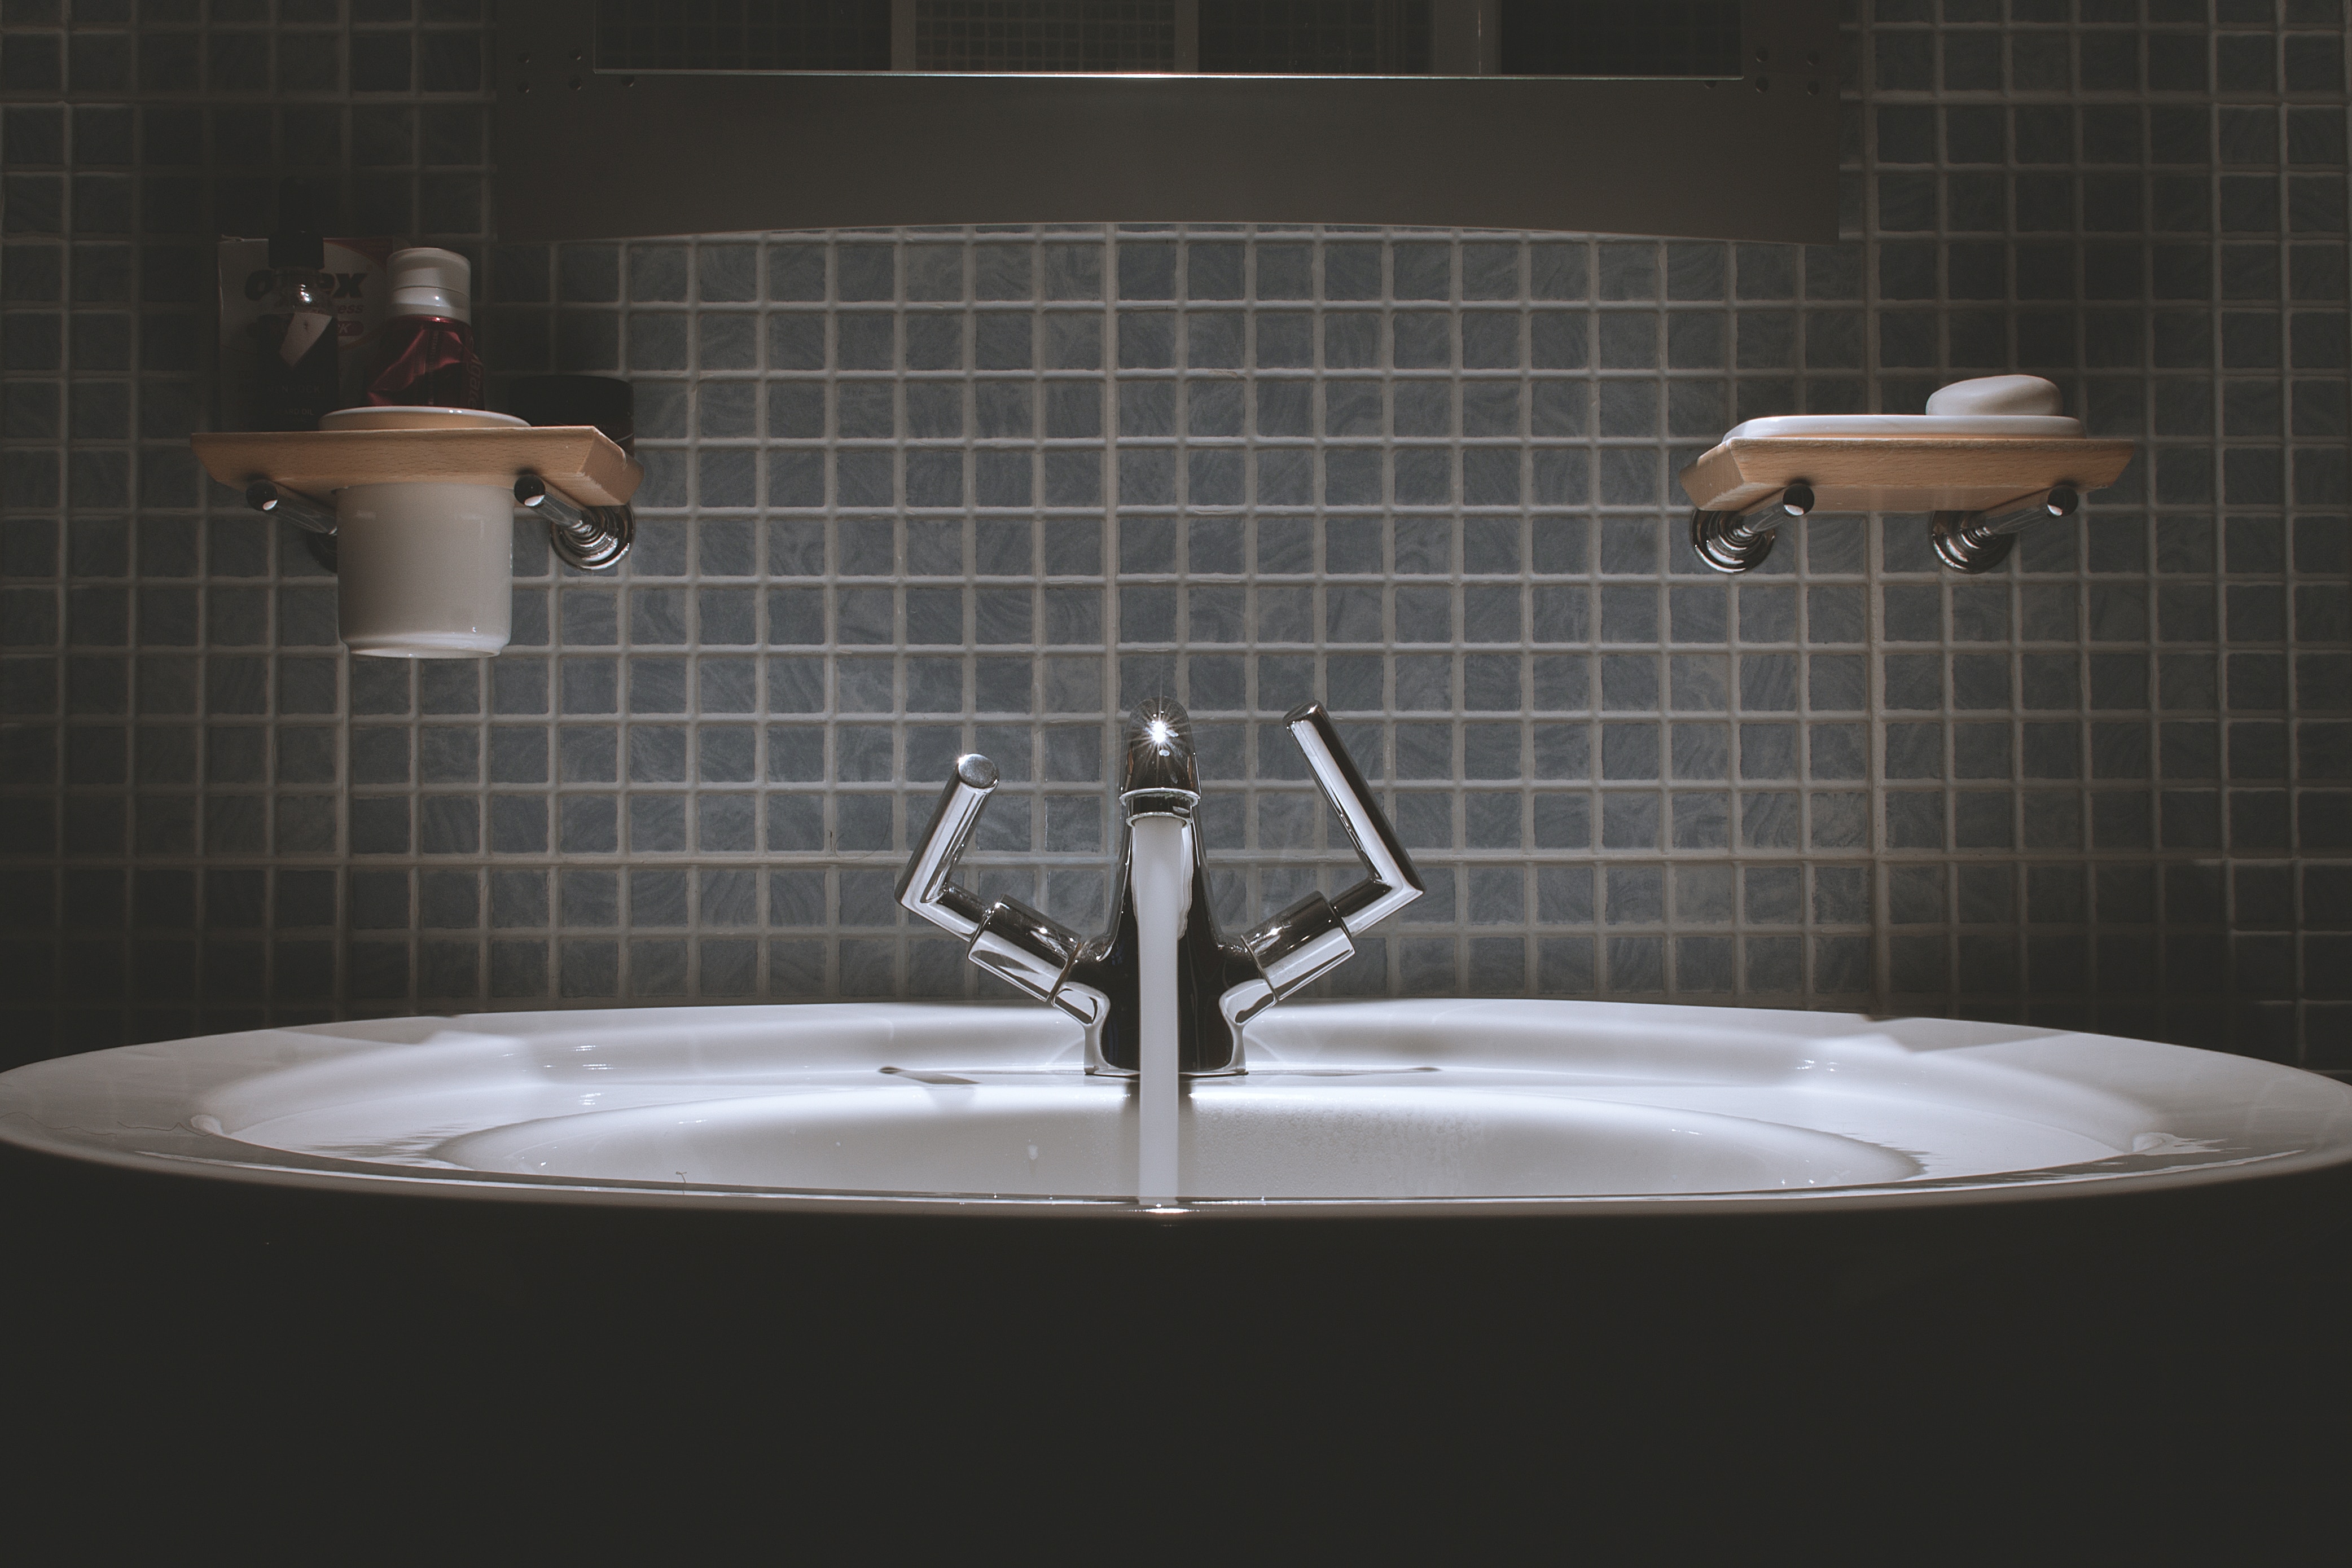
1161 867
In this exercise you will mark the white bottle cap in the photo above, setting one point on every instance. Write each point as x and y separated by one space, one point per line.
429 282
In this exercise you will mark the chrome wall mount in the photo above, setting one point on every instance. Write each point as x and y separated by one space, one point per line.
1221 982
1972 542
1735 542
1977 542
590 538
317 523
277 501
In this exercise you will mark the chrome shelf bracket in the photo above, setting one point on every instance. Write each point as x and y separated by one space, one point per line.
1977 542
590 538
1734 542
1971 542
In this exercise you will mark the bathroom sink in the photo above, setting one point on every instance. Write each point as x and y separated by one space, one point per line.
1433 1106
1421 1247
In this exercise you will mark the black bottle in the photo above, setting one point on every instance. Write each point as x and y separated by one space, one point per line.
295 338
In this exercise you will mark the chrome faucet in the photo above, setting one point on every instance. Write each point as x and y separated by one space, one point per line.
1221 982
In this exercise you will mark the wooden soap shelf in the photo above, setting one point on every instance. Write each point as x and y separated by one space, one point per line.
1899 472
577 460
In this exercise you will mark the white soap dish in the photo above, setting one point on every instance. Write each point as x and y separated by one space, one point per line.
2045 426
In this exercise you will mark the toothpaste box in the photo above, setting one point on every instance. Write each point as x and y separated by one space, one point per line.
358 267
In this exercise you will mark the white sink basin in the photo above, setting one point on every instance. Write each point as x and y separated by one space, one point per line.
1394 1106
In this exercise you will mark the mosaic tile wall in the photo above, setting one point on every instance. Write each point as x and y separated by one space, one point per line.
914 493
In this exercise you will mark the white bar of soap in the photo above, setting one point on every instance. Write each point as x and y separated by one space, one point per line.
2009 395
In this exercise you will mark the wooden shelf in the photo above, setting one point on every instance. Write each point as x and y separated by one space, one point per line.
1899 473
577 459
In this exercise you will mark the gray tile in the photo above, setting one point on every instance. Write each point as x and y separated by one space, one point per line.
2194 744
658 898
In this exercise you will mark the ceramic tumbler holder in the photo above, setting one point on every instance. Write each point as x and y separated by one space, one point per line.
414 509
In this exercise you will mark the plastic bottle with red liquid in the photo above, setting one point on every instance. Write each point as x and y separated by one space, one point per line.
426 357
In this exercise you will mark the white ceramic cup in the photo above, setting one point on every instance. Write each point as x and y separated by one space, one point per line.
425 569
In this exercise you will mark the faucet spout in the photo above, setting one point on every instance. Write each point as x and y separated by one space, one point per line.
1221 982
1159 775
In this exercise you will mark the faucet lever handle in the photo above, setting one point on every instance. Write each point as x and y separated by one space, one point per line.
926 887
1315 935
1006 938
1391 882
